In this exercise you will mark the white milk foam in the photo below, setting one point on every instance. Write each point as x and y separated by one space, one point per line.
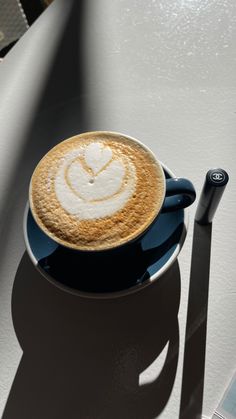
90 184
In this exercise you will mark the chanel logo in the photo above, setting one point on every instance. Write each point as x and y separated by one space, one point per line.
217 177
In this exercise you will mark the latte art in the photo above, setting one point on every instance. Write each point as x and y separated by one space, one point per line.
91 176
96 191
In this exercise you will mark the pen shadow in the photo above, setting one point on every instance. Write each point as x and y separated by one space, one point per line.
196 325
83 357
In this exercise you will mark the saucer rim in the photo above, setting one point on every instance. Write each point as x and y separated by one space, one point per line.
114 294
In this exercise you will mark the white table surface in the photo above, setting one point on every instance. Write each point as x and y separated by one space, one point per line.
165 73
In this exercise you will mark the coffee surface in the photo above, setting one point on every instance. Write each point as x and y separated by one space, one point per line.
96 191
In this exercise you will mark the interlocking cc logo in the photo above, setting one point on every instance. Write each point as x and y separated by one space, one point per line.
217 176
94 183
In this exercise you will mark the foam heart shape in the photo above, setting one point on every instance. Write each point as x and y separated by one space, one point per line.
107 183
97 156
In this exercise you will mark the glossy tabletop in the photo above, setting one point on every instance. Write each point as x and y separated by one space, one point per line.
165 73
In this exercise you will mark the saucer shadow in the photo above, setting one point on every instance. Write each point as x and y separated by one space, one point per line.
82 358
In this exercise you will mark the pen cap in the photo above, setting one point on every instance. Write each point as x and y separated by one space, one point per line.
213 188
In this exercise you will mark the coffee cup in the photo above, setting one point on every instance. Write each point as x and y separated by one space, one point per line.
101 190
94 200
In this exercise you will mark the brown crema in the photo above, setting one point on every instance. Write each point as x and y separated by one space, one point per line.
105 232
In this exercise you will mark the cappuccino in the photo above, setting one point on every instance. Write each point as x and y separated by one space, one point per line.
96 191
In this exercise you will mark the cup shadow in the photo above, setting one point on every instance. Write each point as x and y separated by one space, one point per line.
196 325
83 357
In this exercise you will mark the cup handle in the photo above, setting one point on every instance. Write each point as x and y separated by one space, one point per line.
180 193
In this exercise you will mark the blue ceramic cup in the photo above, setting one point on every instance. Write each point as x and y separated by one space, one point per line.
173 193
56 260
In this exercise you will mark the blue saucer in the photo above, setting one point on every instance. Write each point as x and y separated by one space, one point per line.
106 274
